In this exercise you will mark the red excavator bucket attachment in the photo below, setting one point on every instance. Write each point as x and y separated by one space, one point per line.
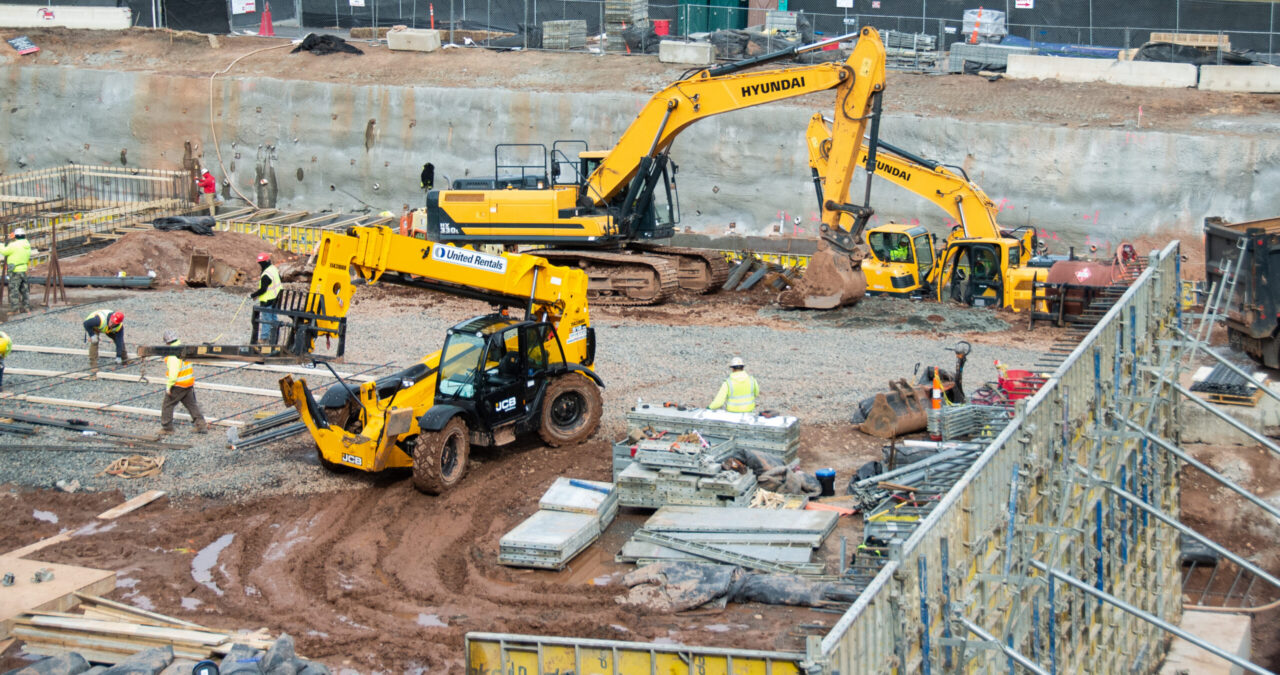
831 279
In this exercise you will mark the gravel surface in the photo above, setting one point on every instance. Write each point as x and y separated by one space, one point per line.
813 365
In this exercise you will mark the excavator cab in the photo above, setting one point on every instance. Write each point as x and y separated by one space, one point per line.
972 274
902 258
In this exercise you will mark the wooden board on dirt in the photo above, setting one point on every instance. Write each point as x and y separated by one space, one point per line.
55 595
132 504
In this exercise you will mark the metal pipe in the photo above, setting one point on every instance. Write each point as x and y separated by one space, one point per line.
1181 454
1173 522
104 282
1149 618
1223 416
1236 369
1009 651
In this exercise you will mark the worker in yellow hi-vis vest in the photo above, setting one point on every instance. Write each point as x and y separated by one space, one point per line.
739 391
179 387
5 345
17 255
269 287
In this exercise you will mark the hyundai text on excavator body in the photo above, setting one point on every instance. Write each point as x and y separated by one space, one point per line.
495 378
610 206
979 264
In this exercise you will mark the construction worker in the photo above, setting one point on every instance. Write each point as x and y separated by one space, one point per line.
17 254
269 287
739 391
109 323
901 252
208 186
5 345
179 387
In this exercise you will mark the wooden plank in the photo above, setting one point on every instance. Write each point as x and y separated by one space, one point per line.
43 543
57 594
107 407
126 377
220 363
99 603
132 505
123 628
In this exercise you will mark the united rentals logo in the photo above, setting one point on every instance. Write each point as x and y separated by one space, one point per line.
467 258
771 87
892 171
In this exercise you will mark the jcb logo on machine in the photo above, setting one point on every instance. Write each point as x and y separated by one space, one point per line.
352 460
771 87
505 405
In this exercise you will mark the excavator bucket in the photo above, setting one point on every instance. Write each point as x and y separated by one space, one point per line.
831 279
897 412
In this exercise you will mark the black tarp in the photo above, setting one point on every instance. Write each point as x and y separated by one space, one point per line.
1165 52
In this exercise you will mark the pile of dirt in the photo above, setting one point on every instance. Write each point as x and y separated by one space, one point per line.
168 255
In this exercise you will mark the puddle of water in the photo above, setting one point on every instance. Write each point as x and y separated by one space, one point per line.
46 516
126 582
431 621
724 627
202 563
620 629
190 604
94 528
142 602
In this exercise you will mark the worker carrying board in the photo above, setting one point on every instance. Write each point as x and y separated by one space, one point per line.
179 387
739 391
109 323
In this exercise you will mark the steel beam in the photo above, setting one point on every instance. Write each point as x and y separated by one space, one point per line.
1009 651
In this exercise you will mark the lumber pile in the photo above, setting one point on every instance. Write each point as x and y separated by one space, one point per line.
112 632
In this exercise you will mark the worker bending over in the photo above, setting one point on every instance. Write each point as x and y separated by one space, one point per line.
17 254
269 287
179 387
739 391
5 345
109 323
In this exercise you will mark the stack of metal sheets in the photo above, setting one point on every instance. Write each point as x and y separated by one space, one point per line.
777 436
571 515
649 487
567 34
764 540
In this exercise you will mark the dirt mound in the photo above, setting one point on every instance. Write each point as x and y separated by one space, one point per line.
168 254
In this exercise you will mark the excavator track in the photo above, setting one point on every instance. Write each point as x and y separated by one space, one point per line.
700 271
620 279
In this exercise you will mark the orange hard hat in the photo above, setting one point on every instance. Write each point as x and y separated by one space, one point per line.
116 319
264 257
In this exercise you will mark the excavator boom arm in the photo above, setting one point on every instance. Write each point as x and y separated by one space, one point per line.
718 90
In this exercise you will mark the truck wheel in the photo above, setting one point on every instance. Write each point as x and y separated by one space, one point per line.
570 411
440 457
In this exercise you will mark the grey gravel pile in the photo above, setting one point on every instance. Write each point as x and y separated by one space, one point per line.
817 371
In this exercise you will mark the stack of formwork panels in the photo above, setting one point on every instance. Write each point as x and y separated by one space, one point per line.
777 436
568 34
620 15
571 515
987 55
760 539
648 487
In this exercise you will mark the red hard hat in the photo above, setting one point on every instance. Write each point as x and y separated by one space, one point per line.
264 257
116 319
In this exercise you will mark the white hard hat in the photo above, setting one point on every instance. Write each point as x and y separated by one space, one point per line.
170 336
736 362
19 232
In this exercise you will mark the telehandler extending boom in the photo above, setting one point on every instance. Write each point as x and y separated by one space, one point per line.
605 202
496 376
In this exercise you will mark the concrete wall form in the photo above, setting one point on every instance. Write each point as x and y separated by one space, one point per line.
344 145
1028 499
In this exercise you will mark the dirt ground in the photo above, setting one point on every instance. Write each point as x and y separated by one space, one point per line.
956 96
166 254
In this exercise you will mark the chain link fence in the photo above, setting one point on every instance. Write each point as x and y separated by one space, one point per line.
1243 25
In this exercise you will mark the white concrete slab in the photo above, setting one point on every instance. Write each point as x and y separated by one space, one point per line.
1127 73
1229 632
413 39
1254 79
692 53
63 16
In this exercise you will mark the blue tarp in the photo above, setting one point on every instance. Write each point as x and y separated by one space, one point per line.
1061 49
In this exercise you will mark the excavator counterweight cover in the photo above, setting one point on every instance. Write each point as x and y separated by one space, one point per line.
830 280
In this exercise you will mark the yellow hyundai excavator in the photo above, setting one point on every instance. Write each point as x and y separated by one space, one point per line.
979 264
496 377
607 205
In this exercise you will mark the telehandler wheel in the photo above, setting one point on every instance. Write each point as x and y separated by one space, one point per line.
440 457
571 411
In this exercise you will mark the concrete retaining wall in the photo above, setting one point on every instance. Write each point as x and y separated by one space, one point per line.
342 145
1127 73
1256 79
33 16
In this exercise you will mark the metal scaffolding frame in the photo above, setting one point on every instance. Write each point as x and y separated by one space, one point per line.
969 562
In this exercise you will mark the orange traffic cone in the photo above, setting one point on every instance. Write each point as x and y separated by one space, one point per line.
265 30
937 400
